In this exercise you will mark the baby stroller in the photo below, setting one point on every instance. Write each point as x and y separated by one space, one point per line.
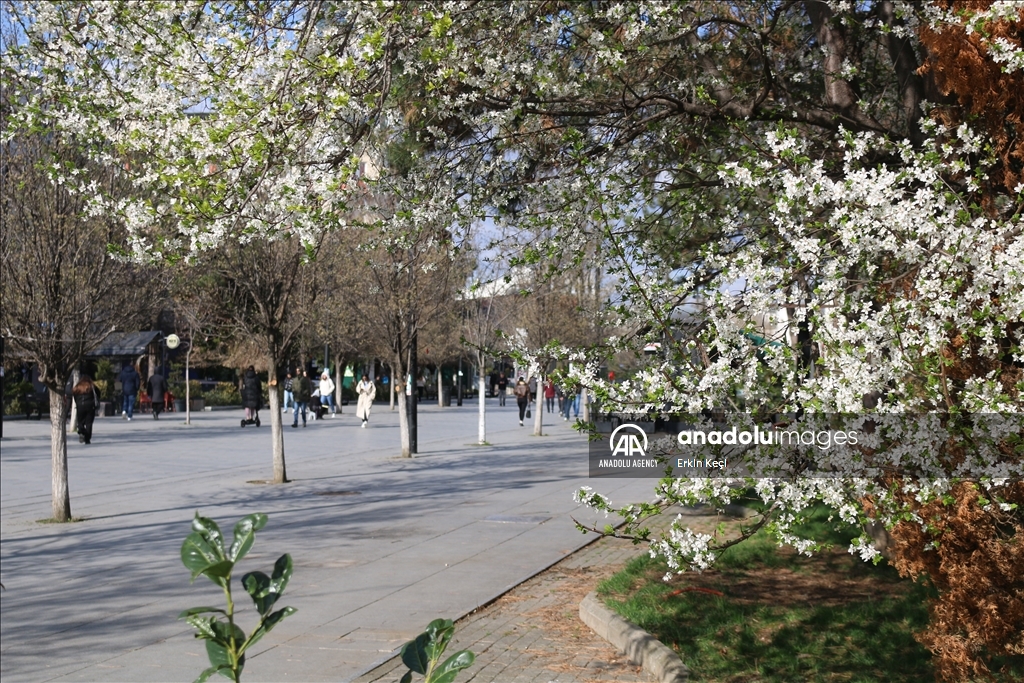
318 409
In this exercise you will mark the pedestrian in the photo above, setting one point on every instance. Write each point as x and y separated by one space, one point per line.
301 389
549 394
289 397
502 388
327 392
567 401
252 393
522 392
367 392
156 388
533 389
130 384
87 398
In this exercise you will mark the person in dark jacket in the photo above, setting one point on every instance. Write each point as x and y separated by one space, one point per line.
130 384
252 393
502 388
302 388
522 392
157 387
87 399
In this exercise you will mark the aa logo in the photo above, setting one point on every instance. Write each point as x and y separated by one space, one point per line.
627 443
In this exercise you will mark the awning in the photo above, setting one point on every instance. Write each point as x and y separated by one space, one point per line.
125 344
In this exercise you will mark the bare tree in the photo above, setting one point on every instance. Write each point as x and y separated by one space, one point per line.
63 291
340 274
489 304
267 285
409 279
196 309
556 310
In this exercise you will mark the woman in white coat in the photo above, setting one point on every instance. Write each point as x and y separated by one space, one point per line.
367 392
327 392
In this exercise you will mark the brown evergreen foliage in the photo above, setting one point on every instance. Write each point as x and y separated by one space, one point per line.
993 101
971 550
972 553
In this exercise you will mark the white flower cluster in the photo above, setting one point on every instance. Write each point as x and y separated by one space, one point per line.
891 278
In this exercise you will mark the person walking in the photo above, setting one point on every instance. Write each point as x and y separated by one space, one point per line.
327 392
522 392
567 401
289 397
156 388
301 389
252 393
502 388
367 391
87 398
549 394
130 384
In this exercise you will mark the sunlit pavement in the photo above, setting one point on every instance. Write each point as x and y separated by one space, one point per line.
381 544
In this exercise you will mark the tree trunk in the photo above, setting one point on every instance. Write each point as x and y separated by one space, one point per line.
440 388
391 390
538 414
276 431
188 392
481 425
403 408
73 426
584 405
59 458
339 377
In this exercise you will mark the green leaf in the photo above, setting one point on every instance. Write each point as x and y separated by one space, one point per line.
258 586
245 535
440 632
217 648
204 625
218 653
208 529
199 610
203 677
414 653
407 678
220 573
197 554
267 624
447 672
282 573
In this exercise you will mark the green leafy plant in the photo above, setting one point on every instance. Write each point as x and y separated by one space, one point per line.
223 394
204 554
423 653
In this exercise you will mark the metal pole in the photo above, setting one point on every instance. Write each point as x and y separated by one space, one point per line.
414 397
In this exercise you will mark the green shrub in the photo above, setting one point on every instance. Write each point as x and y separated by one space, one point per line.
224 394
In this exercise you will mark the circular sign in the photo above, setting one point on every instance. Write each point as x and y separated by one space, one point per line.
173 341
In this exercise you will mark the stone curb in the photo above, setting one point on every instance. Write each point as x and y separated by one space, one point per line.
640 646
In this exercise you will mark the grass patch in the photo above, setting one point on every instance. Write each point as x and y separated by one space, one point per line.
781 617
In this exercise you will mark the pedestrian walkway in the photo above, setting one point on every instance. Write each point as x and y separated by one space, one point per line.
533 634
381 545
